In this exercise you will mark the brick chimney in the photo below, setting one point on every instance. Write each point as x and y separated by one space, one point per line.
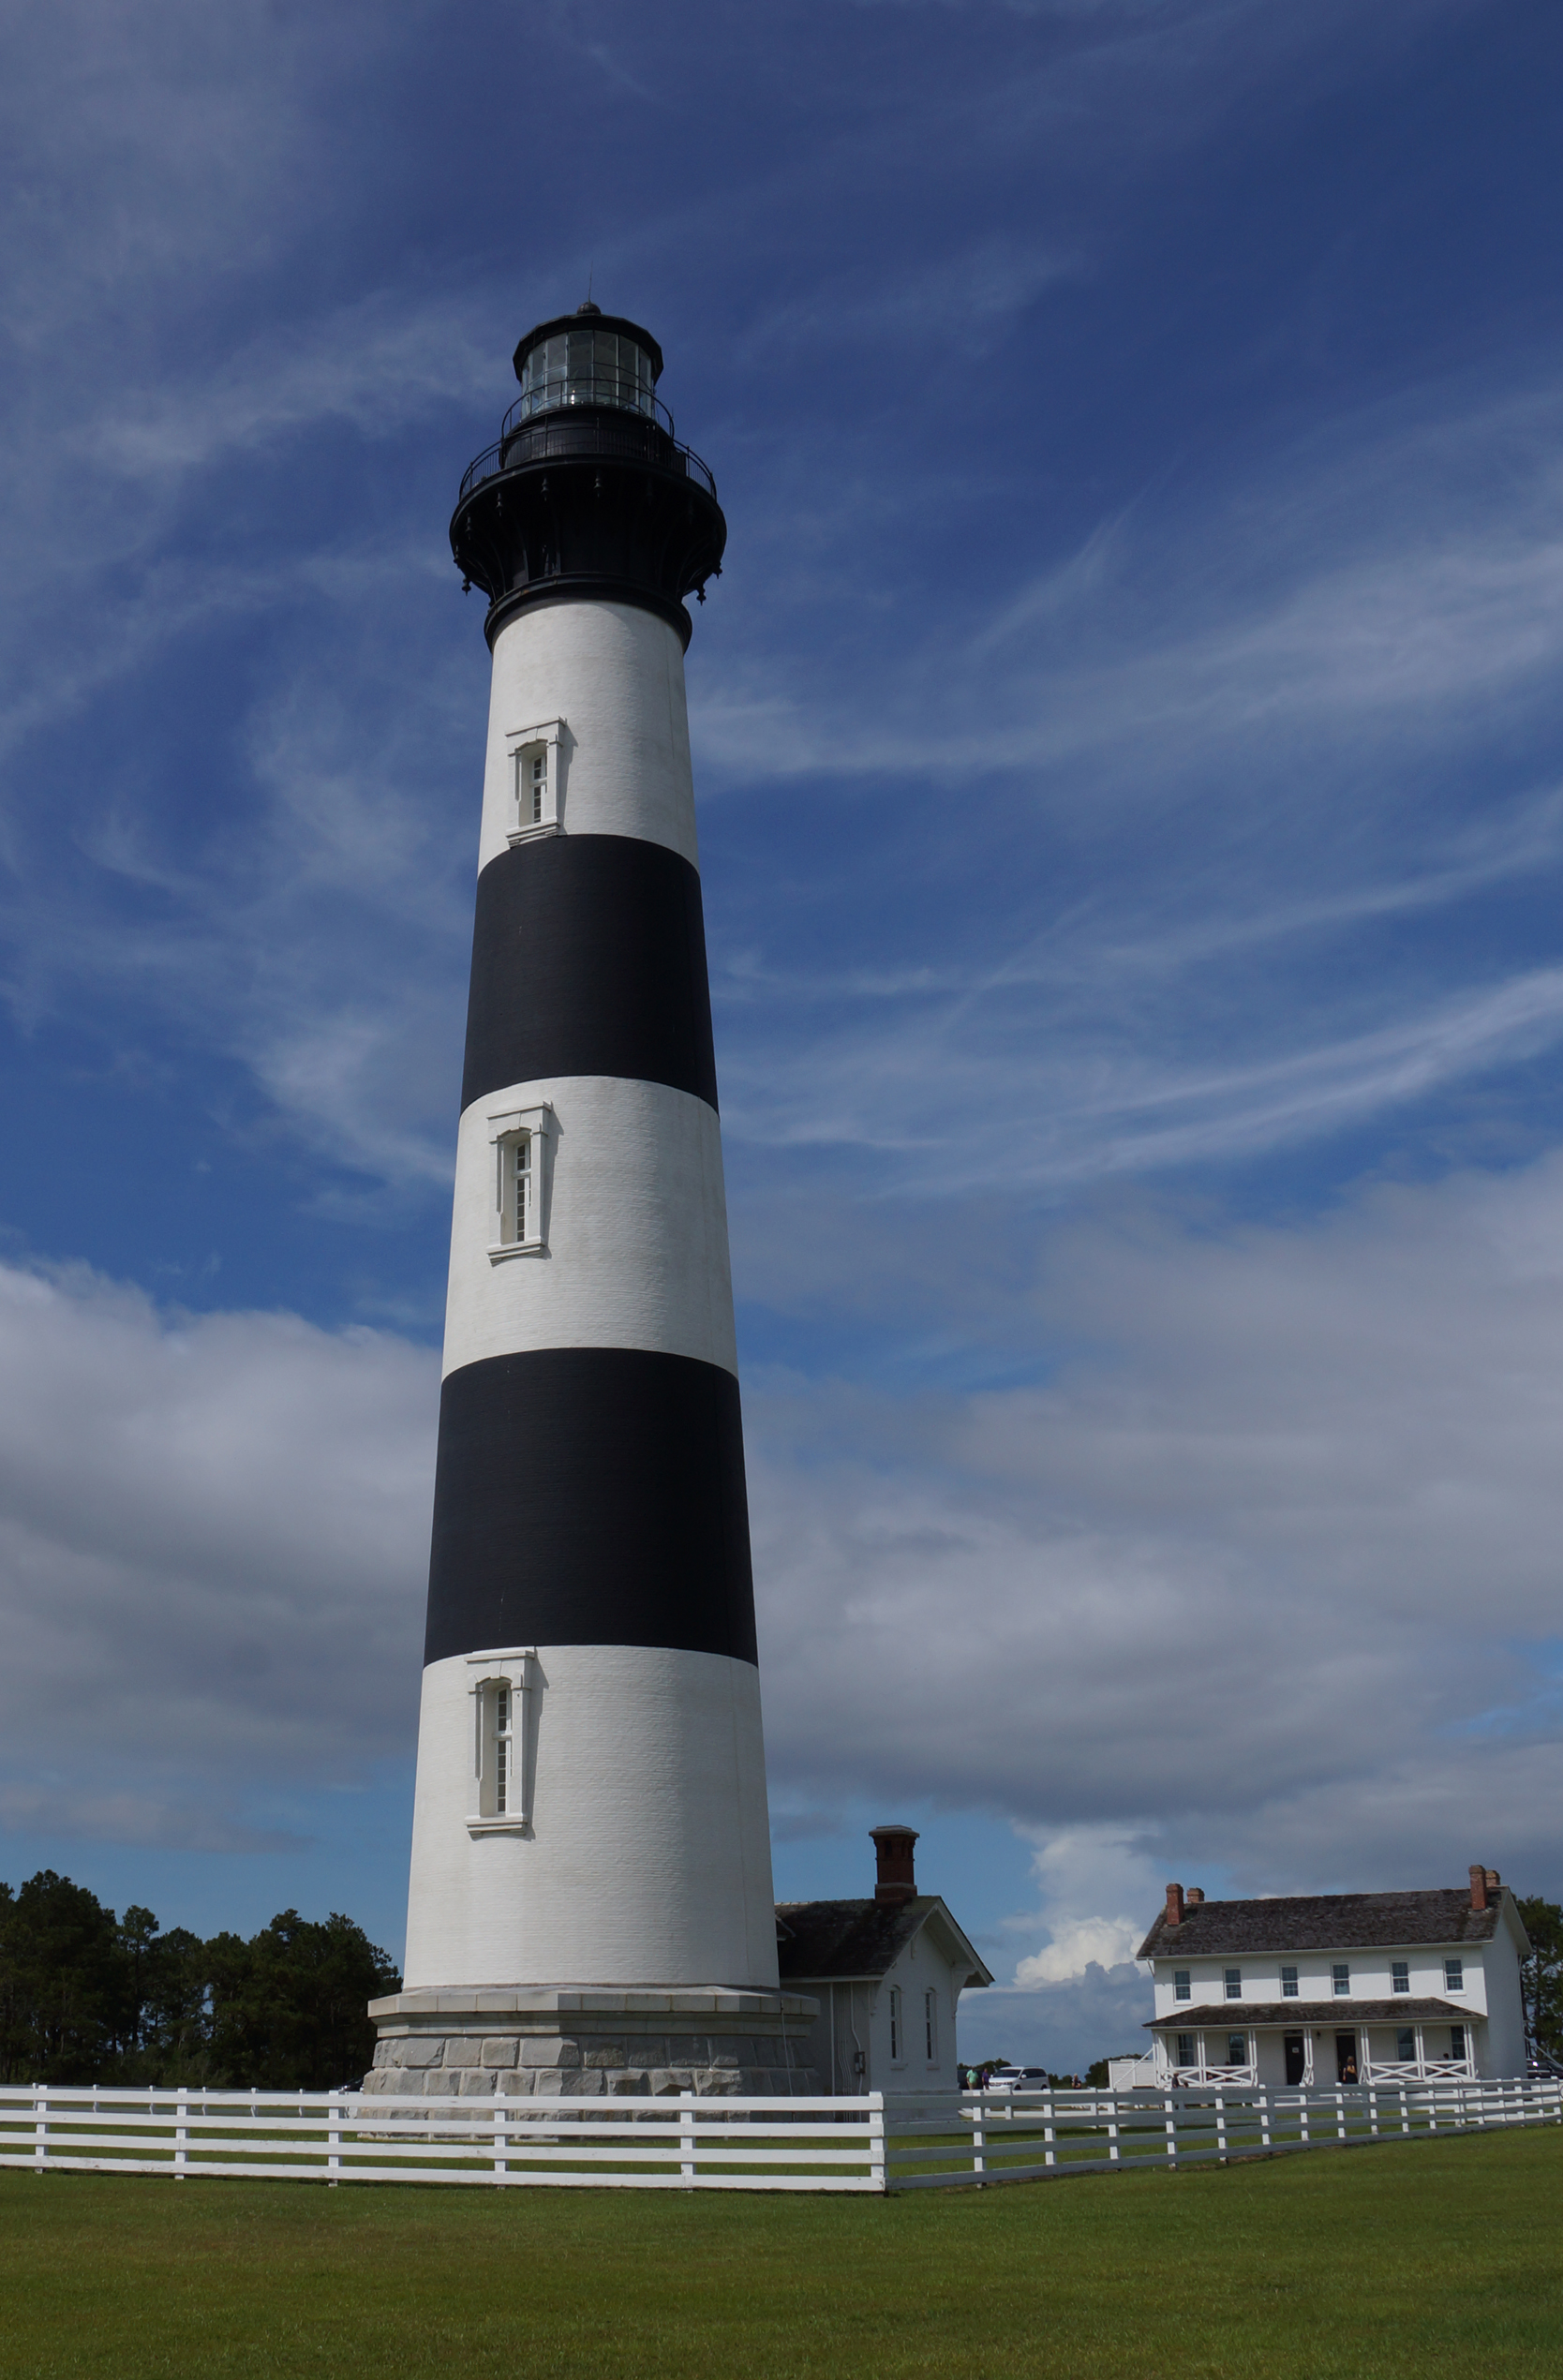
1479 1887
892 1845
1175 1904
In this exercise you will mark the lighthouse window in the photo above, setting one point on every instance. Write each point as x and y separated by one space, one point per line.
523 1145
517 1193
534 791
503 1744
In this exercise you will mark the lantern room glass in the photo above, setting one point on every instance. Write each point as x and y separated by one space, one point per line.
588 366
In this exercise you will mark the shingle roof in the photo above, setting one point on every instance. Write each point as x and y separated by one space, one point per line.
1311 2016
1325 1921
831 1940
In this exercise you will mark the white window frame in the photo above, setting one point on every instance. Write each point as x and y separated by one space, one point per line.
1183 1983
1231 1982
1454 1974
1291 1987
931 2026
532 1127
523 745
898 2028
514 1673
1340 1979
1400 1975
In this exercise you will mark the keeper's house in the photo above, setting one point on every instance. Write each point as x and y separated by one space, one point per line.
888 1973
1341 1987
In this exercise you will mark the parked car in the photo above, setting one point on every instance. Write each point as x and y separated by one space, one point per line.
1012 2078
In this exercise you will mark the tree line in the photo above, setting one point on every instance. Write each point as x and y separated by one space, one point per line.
88 1997
1542 1976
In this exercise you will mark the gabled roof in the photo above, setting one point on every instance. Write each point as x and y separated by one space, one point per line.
842 1942
1324 1921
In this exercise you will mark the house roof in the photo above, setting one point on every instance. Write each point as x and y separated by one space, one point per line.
859 1941
1311 2016
1324 1921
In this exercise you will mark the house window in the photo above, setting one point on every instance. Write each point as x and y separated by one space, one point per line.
523 1143
534 760
1405 2045
898 2046
1181 1986
1400 1974
1234 1983
1340 1978
1454 1977
1288 1983
1237 2049
931 2026
1186 2049
1457 2040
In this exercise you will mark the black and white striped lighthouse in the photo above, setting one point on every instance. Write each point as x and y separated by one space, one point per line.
592 1902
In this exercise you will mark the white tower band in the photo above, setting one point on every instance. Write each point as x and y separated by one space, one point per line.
592 1905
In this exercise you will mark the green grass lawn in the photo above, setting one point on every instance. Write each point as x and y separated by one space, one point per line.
1436 2258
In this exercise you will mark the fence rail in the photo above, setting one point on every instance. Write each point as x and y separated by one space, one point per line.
944 2141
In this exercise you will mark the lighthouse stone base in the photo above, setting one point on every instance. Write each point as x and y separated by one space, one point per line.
548 2042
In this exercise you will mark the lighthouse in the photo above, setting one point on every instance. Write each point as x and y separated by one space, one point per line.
591 1906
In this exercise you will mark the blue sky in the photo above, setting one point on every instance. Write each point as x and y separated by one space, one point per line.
1127 738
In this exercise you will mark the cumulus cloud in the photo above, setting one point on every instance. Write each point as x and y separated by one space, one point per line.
1261 1587
214 1535
1265 1576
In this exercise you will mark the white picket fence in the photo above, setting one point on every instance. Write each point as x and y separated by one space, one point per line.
945 2141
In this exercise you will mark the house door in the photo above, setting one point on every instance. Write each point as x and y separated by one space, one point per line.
1297 2060
1345 2057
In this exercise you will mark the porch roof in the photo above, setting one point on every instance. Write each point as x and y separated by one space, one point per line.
1310 2015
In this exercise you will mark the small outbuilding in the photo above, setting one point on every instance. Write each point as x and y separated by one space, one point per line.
888 1973
1337 1988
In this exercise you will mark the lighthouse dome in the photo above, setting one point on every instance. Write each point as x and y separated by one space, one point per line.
588 358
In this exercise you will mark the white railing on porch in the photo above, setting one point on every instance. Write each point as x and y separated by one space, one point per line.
943 2141
1211 2079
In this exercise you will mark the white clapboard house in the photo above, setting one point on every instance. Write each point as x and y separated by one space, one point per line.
888 1973
1335 1988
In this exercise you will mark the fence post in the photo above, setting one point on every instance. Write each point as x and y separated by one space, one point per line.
334 2139
1264 2119
980 2139
686 2136
1221 2125
1112 2130
1171 2115
502 2138
40 2125
181 2132
877 2177
1049 2130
